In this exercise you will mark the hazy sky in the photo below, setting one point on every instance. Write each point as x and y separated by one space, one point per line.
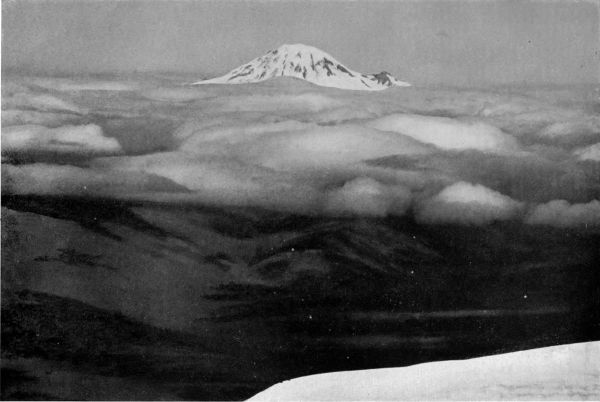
453 42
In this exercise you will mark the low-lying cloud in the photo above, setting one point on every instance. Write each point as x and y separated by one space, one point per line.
448 134
50 179
589 153
466 203
87 140
561 213
325 147
18 117
582 130
445 156
365 196
312 102
26 100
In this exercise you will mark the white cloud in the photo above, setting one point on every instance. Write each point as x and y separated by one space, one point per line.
572 131
40 102
313 102
447 133
180 94
561 213
466 203
338 115
284 144
326 147
214 179
67 85
17 117
365 196
48 179
87 139
236 133
589 153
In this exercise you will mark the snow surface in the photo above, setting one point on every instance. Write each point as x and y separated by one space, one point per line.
307 63
566 372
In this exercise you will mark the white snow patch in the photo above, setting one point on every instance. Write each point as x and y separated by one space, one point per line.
566 372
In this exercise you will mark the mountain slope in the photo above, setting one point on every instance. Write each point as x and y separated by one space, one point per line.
307 63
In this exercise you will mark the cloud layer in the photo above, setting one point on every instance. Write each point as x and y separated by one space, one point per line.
444 156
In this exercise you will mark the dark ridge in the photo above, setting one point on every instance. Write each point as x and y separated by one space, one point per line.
242 74
73 257
274 269
242 225
36 324
382 78
343 69
304 72
11 376
326 63
106 343
217 260
88 213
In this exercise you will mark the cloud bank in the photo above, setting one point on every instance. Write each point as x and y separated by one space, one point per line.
365 196
443 156
562 214
466 203
446 133
590 153
87 139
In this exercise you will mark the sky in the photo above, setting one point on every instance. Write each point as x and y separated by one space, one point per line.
450 42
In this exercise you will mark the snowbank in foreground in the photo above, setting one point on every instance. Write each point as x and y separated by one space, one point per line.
567 372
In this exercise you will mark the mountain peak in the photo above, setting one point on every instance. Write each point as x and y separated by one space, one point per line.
307 63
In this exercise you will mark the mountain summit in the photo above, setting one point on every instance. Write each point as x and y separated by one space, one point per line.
307 63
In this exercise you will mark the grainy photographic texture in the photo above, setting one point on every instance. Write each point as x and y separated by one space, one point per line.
202 199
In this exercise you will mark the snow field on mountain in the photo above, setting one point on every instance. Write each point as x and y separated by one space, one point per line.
306 63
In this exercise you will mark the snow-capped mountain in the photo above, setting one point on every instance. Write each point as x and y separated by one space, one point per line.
307 63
